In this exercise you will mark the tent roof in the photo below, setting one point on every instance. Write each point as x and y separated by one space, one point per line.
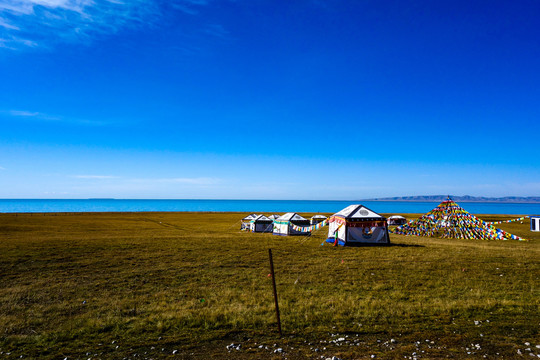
318 217
290 216
260 218
358 212
396 217
250 217
275 216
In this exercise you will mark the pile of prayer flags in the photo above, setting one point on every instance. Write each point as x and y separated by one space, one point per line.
449 220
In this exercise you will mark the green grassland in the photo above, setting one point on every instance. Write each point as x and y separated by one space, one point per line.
186 285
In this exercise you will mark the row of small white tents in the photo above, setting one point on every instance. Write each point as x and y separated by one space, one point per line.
355 224
262 223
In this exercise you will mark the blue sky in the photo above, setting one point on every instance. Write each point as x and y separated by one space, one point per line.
258 99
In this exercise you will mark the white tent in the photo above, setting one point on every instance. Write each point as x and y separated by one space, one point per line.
535 223
396 220
282 225
245 225
261 224
317 219
274 217
356 224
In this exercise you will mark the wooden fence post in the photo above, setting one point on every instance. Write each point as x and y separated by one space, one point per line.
275 290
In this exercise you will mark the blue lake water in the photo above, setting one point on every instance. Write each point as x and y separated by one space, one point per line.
259 206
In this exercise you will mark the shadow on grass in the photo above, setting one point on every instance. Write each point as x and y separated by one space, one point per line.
406 245
384 245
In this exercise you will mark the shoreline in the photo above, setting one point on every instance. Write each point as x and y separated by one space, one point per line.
250 206
492 201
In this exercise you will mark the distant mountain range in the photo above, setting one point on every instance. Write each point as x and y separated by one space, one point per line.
466 198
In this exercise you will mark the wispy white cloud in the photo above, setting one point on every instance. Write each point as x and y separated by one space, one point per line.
33 115
23 113
39 116
6 25
189 6
43 23
216 30
146 187
99 177
196 181
203 181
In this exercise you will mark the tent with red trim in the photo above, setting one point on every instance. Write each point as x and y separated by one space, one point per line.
356 225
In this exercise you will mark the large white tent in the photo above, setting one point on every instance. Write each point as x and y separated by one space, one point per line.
282 225
355 225
261 224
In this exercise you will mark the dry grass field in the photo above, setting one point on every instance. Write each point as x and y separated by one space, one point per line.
188 285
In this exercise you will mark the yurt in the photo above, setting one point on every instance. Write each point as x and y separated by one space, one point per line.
535 223
245 225
317 219
282 225
356 225
396 220
261 224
